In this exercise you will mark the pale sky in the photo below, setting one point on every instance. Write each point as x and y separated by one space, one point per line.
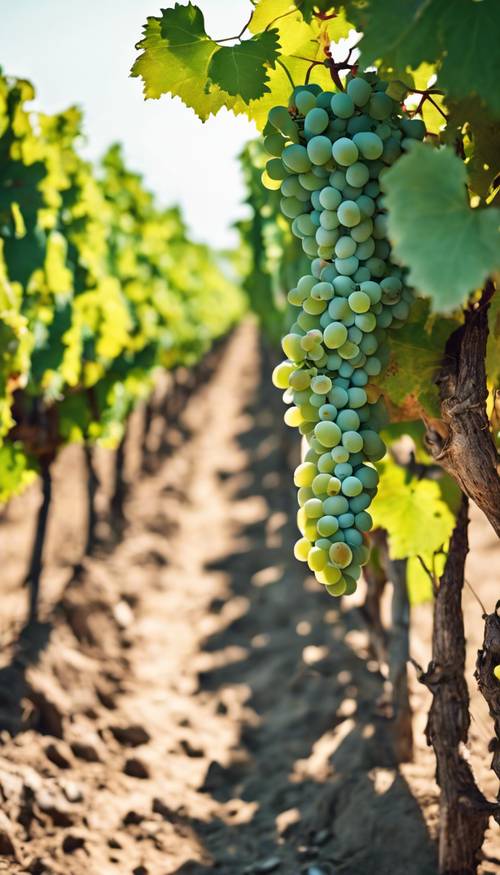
80 52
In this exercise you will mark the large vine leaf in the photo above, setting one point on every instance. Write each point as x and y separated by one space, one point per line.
242 69
457 36
448 247
178 57
419 515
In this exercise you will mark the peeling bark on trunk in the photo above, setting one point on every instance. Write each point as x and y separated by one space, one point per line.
462 441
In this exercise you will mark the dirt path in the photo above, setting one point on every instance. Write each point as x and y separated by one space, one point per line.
192 702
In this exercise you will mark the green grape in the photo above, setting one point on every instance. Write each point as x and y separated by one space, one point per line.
373 445
362 231
329 220
320 484
359 502
345 247
328 434
342 105
368 144
335 505
317 559
305 224
349 214
338 588
301 549
359 91
365 249
368 476
325 462
328 525
357 397
319 150
347 266
316 121
305 101
373 366
321 384
280 118
337 180
366 206
310 182
276 169
296 158
328 411
413 128
314 508
346 520
359 123
380 106
338 309
291 207
348 420
357 175
330 198
359 302
353 537
343 470
340 554
366 322
281 374
334 336
353 442
345 151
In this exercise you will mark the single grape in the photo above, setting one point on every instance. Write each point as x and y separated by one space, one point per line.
319 150
368 144
327 525
316 121
359 91
296 158
348 420
330 198
304 101
335 505
328 434
342 105
334 336
349 214
357 175
345 151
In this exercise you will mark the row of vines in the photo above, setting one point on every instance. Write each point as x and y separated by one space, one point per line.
100 287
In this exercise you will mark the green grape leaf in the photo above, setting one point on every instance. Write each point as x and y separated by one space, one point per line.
242 69
461 37
448 247
416 351
175 58
418 514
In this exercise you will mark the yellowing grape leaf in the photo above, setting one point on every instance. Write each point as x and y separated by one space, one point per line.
419 515
448 247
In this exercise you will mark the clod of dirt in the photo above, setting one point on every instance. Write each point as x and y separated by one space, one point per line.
130 736
136 768
58 754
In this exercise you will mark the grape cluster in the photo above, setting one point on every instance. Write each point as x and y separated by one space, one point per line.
329 151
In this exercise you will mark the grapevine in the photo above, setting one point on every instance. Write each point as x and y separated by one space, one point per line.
330 150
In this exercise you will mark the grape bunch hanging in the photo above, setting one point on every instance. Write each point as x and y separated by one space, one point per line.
329 151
